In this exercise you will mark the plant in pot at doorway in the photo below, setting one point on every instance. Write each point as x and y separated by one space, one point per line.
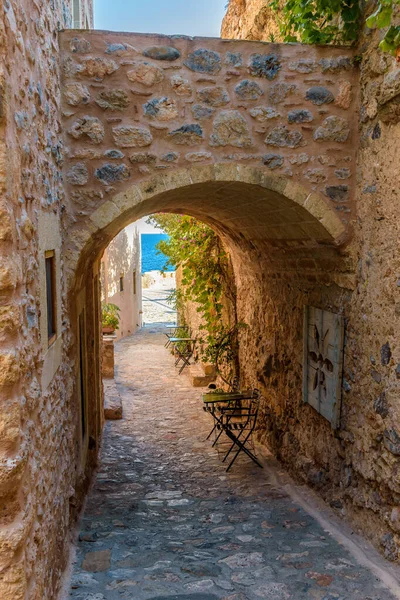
110 318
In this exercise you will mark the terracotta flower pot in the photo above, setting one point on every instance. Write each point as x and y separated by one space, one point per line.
108 330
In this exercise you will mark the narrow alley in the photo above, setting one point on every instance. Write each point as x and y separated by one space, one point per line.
164 519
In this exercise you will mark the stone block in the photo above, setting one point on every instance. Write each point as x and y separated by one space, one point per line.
107 365
145 73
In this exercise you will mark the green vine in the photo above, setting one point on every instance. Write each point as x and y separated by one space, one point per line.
335 22
207 280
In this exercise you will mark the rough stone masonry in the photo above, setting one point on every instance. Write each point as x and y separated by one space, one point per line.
260 141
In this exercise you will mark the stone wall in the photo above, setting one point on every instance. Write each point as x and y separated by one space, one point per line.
37 423
121 259
136 105
356 469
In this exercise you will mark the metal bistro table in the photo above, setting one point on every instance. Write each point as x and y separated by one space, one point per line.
183 350
235 414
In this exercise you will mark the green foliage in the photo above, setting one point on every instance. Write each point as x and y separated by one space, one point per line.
382 18
110 315
222 350
335 22
318 21
207 280
195 247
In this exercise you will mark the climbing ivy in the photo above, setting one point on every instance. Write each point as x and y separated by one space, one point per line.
317 21
335 22
207 280
382 18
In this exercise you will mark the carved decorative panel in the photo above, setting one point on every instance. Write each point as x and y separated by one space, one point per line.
323 362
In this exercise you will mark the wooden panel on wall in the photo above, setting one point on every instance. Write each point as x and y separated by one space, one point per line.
323 362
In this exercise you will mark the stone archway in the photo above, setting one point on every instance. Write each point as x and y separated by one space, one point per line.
287 248
243 203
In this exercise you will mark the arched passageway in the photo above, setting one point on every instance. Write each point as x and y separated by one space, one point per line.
284 243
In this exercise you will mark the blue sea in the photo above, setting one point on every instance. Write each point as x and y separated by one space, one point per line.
151 259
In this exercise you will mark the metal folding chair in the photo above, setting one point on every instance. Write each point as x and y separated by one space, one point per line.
183 350
174 330
237 421
239 427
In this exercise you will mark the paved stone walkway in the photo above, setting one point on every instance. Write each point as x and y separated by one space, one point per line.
164 520
155 305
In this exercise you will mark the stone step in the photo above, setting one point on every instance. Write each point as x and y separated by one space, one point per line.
198 376
112 401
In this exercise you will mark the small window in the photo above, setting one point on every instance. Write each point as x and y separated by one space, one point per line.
121 283
51 296
76 14
134 282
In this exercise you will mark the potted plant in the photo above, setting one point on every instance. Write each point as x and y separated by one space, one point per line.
110 317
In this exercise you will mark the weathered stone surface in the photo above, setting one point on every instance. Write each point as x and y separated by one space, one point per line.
76 93
333 129
114 154
201 112
390 86
215 96
233 59
145 158
188 135
337 193
315 175
343 173
162 53
113 410
345 95
303 65
278 92
80 45
162 109
299 159
391 549
198 156
113 100
386 354
319 95
170 157
78 174
128 136
145 73
98 67
301 115
248 90
110 173
264 113
273 161
89 153
230 128
98 561
282 137
203 61
118 49
264 65
381 406
181 86
89 127
391 441
334 65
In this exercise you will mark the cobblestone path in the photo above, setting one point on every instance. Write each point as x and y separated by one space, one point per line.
164 519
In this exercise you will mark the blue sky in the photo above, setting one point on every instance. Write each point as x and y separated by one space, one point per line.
190 17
